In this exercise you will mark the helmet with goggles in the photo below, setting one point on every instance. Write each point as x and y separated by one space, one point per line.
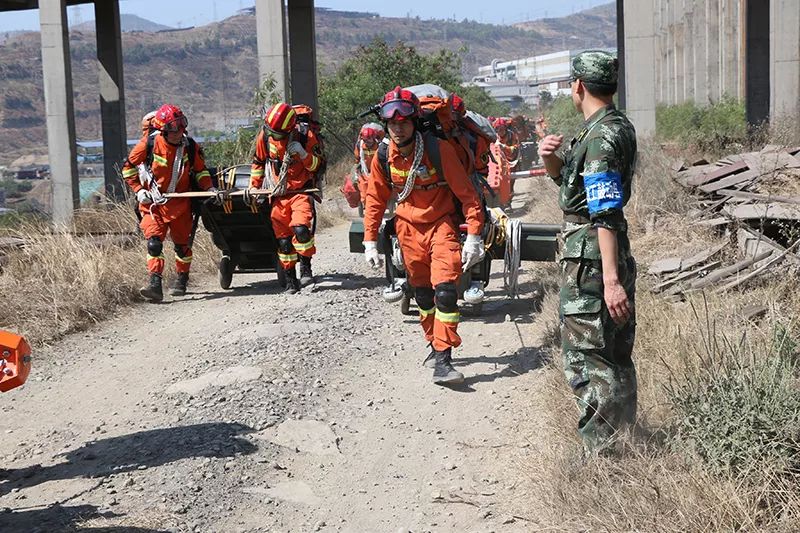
399 104
169 118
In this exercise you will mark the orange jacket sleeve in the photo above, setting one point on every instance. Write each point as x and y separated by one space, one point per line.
202 175
378 194
259 161
314 157
129 171
462 187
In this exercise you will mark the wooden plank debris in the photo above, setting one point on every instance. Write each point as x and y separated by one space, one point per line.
723 273
721 172
685 276
735 179
702 256
758 211
756 196
664 266
754 311
760 270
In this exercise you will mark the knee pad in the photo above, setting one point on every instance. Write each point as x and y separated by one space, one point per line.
447 297
154 247
285 245
181 250
302 233
424 297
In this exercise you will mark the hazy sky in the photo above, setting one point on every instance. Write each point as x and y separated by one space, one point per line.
182 13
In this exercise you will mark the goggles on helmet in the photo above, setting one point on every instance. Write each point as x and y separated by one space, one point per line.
177 124
277 135
402 108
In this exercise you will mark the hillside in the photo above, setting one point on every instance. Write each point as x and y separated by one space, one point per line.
211 71
129 22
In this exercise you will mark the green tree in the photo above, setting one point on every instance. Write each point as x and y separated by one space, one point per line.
361 81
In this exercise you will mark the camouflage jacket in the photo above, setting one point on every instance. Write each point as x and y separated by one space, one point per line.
595 182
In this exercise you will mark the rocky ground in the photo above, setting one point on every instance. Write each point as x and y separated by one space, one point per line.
252 411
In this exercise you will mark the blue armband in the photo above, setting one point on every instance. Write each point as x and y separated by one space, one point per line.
603 191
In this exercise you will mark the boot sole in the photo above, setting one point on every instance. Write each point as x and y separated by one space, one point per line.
151 297
449 381
177 293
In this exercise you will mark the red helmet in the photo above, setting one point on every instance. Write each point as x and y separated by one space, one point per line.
458 105
280 118
372 131
399 104
500 123
169 118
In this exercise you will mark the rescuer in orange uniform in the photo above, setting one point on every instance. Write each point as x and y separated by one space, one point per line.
369 137
425 222
507 138
293 158
152 173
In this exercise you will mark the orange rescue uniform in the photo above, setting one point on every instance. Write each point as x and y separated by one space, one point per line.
427 227
175 216
291 209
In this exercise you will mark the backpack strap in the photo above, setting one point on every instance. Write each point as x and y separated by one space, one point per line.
431 143
383 159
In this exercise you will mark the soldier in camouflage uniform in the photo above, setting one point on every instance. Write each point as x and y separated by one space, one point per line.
598 319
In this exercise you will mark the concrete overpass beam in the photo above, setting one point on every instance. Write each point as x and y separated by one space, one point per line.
112 93
58 97
785 64
303 53
271 39
757 64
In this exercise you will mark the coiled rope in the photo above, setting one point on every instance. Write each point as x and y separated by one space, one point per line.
412 175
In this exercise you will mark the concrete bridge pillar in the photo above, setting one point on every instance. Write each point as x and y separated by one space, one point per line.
58 97
271 38
785 53
112 93
303 53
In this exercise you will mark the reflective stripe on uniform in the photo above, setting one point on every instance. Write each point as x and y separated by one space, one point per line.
425 313
160 160
448 318
257 173
203 174
185 260
304 246
129 172
399 173
273 150
149 257
287 258
314 163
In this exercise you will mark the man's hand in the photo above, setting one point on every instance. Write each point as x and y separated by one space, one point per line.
617 302
549 145
295 148
144 197
371 254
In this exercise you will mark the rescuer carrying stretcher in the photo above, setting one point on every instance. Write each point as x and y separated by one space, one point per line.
290 153
163 162
425 222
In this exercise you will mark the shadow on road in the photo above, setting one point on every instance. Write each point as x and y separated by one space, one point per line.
136 451
522 361
63 518
339 282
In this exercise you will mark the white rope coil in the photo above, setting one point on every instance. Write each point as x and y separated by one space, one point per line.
512 259
412 174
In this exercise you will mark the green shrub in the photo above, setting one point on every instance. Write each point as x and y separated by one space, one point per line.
711 128
737 405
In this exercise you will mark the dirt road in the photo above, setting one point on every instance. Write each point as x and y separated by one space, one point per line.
252 411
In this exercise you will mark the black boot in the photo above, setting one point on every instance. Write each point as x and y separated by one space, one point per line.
306 276
179 285
443 372
292 283
153 290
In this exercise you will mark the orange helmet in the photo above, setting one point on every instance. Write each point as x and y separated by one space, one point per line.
303 109
280 118
399 104
169 118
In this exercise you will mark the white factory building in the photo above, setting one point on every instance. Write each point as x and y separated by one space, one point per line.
520 81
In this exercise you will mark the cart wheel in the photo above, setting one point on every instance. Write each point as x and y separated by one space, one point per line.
281 275
225 272
405 305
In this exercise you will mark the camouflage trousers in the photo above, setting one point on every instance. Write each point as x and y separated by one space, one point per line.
597 352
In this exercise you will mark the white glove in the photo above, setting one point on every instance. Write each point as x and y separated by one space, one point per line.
295 148
371 254
219 196
144 197
473 252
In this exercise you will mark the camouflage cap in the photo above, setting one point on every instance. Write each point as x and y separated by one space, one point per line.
595 66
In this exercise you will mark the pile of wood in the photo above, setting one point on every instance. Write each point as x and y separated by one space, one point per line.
753 199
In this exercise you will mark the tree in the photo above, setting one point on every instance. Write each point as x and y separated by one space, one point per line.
361 81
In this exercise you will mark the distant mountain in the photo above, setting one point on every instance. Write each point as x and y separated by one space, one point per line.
129 22
212 70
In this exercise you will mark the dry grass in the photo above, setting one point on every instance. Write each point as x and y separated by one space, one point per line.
659 483
64 281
